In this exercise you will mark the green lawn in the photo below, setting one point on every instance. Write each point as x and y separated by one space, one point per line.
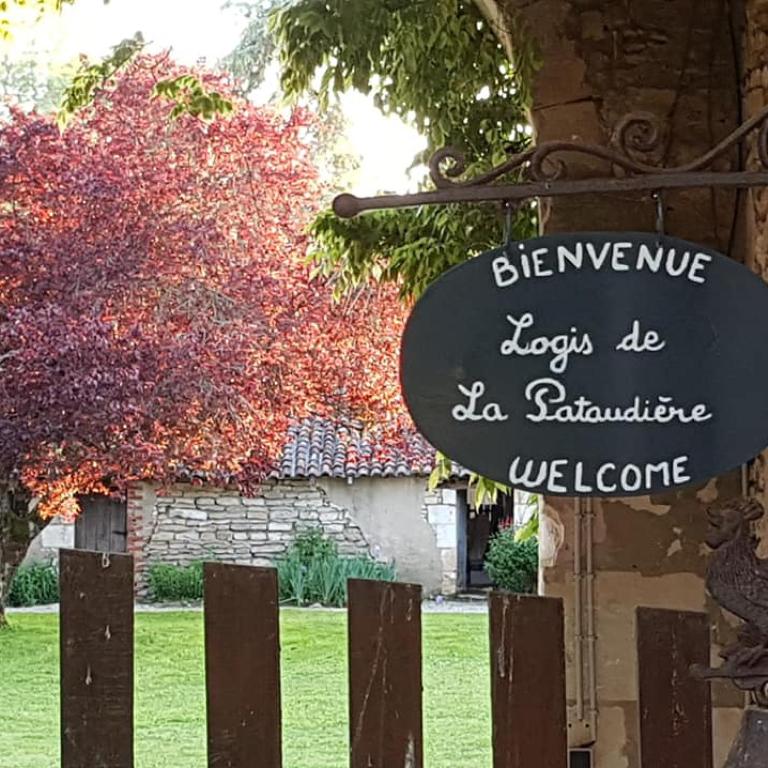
170 704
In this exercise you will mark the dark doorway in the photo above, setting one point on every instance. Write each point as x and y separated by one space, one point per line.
481 525
102 524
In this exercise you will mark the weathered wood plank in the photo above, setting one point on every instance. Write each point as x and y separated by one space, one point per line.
385 675
96 642
242 652
675 710
527 681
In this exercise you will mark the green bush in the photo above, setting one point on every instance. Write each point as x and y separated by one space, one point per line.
36 584
312 544
313 571
511 564
175 583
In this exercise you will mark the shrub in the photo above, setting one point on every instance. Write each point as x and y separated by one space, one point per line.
175 583
36 584
312 543
511 564
313 571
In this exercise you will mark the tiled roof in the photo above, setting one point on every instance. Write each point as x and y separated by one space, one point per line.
320 448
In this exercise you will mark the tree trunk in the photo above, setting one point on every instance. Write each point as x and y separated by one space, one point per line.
19 524
599 60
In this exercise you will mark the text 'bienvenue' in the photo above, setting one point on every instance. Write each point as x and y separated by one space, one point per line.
518 263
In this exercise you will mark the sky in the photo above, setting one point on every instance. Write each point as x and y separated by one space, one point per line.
386 145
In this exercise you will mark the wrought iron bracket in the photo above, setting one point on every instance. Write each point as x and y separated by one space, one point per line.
541 171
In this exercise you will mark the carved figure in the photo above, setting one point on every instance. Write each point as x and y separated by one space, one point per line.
738 580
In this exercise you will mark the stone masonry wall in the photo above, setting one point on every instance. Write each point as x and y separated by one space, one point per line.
190 523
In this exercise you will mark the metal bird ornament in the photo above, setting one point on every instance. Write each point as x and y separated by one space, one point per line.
738 580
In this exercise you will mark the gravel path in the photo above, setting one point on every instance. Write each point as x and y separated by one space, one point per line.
428 606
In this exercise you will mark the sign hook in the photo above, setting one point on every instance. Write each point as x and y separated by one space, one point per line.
659 215
509 208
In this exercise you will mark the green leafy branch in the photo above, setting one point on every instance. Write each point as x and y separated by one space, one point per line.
487 492
438 66
410 248
187 92
530 529
92 76
442 471
189 96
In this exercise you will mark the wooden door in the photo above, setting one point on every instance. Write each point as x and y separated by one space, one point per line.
102 524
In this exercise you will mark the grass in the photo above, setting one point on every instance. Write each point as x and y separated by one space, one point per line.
170 701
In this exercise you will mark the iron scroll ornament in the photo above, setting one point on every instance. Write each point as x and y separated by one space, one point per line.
594 364
541 171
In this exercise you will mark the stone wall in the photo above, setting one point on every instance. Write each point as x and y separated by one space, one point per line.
405 523
642 555
389 518
192 523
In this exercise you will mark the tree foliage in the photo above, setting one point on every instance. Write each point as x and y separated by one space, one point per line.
255 51
187 92
157 318
31 83
248 64
436 64
90 77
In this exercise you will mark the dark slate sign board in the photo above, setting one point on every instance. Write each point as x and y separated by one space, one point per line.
605 364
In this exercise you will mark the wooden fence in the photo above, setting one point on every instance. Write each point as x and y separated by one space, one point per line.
242 651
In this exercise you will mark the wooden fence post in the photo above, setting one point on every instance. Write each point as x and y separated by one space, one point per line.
96 644
675 710
242 653
528 681
385 675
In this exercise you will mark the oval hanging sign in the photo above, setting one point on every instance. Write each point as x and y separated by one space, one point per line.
605 364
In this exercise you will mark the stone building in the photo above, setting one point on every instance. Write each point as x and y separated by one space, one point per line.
332 477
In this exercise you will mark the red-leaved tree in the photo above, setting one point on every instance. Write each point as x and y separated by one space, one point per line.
156 312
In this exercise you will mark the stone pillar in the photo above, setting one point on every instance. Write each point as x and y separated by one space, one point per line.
441 510
140 507
598 60
755 68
